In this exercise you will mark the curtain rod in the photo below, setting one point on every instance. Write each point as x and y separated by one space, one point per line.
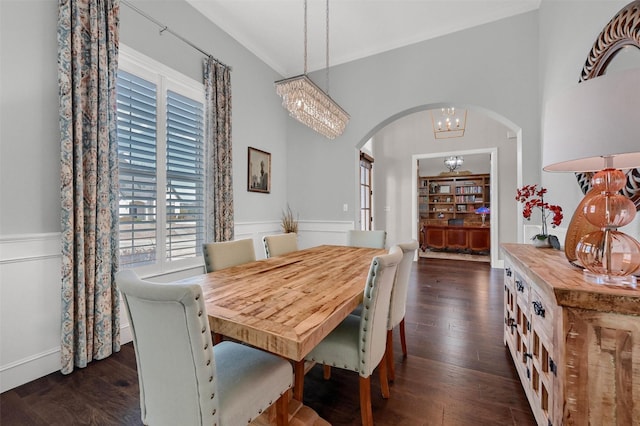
164 28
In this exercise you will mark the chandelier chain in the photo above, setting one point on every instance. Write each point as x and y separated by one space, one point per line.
327 47
306 101
305 37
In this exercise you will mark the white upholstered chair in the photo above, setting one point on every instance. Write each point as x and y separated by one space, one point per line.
183 379
220 255
371 239
278 244
358 342
398 306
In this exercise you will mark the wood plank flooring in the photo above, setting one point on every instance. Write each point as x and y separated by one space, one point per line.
458 371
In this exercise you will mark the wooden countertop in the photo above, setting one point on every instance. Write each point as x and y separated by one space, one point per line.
551 271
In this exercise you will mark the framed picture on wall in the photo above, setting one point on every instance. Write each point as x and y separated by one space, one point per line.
259 176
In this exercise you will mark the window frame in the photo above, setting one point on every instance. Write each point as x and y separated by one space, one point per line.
165 79
365 169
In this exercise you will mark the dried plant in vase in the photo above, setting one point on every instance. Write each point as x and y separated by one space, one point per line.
533 197
289 222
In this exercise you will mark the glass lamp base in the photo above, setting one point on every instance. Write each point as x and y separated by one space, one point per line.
603 279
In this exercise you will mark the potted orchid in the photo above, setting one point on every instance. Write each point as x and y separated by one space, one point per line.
532 197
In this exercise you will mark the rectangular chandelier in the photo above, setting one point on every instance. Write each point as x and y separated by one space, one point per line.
311 106
448 122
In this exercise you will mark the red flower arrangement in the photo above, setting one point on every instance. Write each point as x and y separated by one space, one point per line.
533 197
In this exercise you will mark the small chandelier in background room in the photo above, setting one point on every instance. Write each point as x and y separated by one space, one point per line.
309 104
453 162
448 122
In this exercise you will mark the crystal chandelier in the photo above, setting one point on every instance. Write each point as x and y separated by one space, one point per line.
449 123
453 162
309 104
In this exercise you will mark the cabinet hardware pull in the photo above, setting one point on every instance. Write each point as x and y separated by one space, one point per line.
528 355
510 322
538 309
553 367
520 286
508 272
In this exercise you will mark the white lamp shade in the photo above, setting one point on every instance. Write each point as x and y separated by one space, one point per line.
598 118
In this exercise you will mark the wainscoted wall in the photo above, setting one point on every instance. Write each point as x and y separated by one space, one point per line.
531 230
30 294
29 307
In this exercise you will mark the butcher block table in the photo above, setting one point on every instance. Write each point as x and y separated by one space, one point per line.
287 304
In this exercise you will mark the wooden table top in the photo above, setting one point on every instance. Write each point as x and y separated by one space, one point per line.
286 304
552 272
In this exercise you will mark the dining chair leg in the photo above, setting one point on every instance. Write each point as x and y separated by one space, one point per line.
282 410
326 371
403 340
384 379
389 356
365 401
217 338
298 388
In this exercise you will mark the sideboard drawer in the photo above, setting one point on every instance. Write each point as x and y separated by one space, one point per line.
542 313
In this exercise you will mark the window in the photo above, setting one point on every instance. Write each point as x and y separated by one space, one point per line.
161 162
366 167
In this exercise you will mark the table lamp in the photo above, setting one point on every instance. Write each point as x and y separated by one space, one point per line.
595 126
484 211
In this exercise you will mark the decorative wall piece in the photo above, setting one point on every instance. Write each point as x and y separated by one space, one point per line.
259 175
623 31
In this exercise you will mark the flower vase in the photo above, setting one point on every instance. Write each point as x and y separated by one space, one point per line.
541 241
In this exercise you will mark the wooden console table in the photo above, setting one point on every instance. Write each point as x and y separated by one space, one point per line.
575 345
473 238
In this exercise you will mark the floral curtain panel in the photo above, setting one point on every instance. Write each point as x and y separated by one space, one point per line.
219 192
87 65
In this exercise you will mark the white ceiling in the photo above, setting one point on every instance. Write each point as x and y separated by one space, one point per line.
274 29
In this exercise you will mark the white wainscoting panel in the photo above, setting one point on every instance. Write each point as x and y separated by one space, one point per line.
29 307
30 293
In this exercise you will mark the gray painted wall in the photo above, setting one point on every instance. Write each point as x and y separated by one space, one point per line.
493 67
30 151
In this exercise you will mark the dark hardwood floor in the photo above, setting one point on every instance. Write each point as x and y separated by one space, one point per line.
458 371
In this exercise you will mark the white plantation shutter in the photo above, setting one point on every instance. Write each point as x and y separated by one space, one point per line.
161 161
185 176
136 102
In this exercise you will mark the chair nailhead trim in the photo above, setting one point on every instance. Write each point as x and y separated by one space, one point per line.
212 396
199 313
206 346
204 329
208 362
211 378
197 297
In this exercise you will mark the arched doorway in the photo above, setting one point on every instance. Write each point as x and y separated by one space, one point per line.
398 140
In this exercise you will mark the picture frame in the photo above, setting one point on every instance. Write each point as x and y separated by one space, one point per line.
445 189
259 171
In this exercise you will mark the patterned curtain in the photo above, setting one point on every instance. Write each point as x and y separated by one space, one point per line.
87 65
219 195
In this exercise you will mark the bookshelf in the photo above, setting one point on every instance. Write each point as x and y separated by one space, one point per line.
441 198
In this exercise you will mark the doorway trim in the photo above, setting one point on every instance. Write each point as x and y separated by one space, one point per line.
493 217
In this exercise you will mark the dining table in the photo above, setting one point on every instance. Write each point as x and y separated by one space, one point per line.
287 304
